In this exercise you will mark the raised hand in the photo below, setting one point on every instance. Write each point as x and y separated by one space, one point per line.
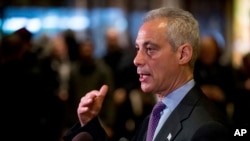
90 105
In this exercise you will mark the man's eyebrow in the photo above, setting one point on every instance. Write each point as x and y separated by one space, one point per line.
149 43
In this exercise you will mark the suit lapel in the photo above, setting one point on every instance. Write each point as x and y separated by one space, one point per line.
170 129
173 124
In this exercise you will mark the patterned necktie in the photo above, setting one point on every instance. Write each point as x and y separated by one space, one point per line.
154 119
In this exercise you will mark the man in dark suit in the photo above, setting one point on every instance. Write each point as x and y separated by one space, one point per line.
167 46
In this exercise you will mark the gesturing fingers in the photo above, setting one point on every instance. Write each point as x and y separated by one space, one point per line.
103 90
101 94
94 96
90 105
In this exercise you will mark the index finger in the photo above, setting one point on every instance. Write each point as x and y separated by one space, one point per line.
103 91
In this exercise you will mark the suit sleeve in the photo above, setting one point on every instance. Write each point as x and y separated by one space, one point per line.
94 128
212 131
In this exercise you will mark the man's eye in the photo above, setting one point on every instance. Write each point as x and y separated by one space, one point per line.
149 49
137 49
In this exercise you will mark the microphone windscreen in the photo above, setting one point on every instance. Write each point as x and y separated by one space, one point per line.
123 139
83 136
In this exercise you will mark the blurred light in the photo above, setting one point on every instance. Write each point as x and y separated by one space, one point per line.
62 24
34 25
116 19
241 34
78 23
50 22
121 24
13 24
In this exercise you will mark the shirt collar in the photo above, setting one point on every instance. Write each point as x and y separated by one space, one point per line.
174 98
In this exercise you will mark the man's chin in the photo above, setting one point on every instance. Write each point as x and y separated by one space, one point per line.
146 88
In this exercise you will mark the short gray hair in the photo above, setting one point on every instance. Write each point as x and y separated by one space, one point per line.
182 28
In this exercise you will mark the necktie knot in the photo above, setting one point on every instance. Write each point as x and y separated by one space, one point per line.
158 108
154 119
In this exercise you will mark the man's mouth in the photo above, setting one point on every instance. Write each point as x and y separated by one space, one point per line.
143 77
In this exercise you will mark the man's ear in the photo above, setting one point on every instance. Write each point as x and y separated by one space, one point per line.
185 53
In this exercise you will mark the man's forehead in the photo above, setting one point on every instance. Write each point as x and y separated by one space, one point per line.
153 25
150 30
141 33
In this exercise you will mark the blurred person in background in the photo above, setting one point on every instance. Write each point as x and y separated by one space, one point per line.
214 78
72 44
18 86
241 118
89 73
56 68
26 98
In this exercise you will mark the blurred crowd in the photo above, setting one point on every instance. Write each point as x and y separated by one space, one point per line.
41 84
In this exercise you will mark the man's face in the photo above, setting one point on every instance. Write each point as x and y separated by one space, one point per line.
157 63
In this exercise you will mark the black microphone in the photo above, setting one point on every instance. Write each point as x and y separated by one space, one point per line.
83 136
123 139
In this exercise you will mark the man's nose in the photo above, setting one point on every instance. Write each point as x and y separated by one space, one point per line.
139 59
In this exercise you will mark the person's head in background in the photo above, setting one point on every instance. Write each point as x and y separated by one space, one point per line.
112 40
246 64
168 46
15 46
59 49
86 50
210 51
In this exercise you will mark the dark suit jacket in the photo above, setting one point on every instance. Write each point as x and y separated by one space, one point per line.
194 119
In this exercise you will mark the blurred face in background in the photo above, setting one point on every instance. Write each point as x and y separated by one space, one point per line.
86 50
59 48
112 39
246 64
209 52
